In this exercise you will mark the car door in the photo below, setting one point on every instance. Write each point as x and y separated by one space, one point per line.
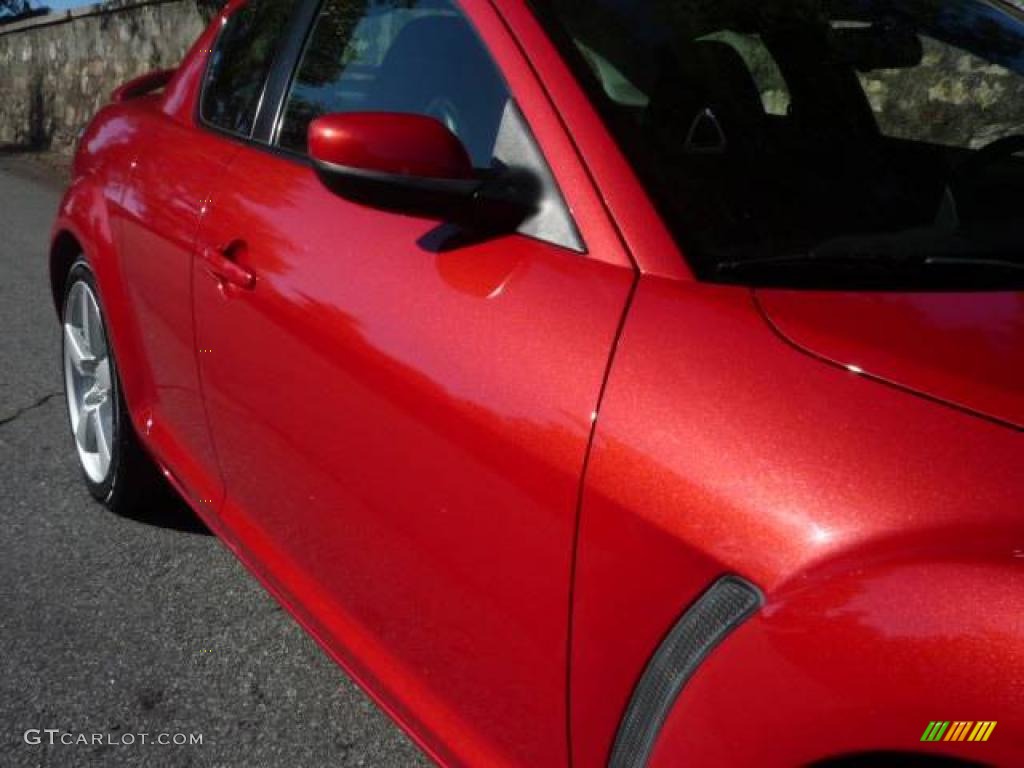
169 192
402 412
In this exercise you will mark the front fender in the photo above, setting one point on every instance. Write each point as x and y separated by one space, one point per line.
861 662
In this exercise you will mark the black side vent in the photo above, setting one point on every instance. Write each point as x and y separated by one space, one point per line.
717 612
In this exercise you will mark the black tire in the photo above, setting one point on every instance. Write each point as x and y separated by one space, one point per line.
131 475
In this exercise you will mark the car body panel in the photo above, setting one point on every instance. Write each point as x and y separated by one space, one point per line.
489 479
115 164
880 634
952 347
721 448
420 476
489 448
90 213
166 198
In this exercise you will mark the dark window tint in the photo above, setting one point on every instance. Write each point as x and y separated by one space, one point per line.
874 142
240 63
398 56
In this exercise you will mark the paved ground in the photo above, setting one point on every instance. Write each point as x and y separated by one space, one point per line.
128 626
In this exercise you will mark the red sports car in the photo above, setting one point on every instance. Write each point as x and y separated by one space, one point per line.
629 383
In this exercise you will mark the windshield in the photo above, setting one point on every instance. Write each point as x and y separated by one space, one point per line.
818 141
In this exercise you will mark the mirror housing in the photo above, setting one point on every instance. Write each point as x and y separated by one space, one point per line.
400 162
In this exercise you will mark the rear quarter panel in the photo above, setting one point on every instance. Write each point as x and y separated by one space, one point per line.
91 212
92 209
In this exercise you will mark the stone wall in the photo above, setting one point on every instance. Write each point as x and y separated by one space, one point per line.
57 70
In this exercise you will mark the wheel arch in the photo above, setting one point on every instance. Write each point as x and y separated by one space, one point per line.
64 250
856 662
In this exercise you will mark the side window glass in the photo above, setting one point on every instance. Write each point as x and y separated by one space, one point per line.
761 66
240 63
413 56
951 98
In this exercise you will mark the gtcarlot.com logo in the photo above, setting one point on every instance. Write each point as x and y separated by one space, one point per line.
57 736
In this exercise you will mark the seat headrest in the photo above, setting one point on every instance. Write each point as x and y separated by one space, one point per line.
709 76
730 83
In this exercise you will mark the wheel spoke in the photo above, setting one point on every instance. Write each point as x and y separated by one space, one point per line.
102 440
86 320
78 349
83 427
102 373
106 411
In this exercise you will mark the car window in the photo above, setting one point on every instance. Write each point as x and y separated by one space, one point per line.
240 62
843 136
968 101
761 66
397 56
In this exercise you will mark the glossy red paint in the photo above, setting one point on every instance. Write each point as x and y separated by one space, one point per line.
792 472
133 89
482 405
953 347
906 637
489 477
158 230
397 144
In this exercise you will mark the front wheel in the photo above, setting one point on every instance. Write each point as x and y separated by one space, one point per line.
116 469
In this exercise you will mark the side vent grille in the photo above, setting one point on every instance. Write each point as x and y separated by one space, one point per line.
717 612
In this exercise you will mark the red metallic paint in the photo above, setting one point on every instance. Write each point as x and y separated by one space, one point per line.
905 637
367 349
142 85
161 210
953 347
394 435
722 448
397 144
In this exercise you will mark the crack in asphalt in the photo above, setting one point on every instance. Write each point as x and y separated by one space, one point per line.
39 403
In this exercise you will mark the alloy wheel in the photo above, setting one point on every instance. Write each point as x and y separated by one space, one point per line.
88 381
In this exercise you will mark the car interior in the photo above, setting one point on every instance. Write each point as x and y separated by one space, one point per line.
760 127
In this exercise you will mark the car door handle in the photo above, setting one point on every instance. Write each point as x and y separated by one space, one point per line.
223 265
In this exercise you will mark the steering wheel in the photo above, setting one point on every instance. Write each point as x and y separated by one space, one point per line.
949 213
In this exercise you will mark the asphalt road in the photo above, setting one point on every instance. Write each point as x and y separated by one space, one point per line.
127 626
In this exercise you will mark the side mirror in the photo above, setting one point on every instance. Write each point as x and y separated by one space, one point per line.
414 164
400 162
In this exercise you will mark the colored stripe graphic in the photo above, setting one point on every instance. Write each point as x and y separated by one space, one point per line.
986 731
956 733
959 730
